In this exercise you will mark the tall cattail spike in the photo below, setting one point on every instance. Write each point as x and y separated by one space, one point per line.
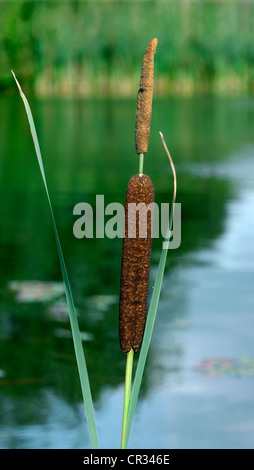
144 99
136 253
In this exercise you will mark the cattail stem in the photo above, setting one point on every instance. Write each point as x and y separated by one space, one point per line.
141 163
127 393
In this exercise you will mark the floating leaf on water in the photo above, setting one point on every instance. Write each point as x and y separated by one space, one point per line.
36 291
181 324
102 302
59 310
62 333
238 367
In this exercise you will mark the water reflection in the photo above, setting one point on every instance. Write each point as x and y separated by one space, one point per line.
212 294
207 301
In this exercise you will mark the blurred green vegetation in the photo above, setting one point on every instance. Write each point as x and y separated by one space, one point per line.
86 48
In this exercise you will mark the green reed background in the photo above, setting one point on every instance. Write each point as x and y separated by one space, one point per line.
86 48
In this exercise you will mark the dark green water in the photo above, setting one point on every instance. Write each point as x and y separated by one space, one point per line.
206 308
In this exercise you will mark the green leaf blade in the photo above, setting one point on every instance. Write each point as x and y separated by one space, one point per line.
78 347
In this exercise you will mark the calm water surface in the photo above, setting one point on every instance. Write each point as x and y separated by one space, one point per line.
198 385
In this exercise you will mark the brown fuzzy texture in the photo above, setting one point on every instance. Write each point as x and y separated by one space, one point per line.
136 254
144 100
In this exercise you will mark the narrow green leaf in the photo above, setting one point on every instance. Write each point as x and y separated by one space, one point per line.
81 362
127 392
151 315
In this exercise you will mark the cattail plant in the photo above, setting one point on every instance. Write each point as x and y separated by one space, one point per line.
135 323
136 249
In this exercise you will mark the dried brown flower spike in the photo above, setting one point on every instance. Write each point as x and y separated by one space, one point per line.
144 99
136 253
136 250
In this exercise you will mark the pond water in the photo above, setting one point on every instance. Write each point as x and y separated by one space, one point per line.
198 384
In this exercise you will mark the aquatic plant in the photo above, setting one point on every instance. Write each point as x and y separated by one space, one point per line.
135 326
136 252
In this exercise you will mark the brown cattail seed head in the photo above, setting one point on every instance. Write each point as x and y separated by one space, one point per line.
136 254
144 100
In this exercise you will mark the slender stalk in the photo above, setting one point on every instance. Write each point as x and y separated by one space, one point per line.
141 163
127 393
